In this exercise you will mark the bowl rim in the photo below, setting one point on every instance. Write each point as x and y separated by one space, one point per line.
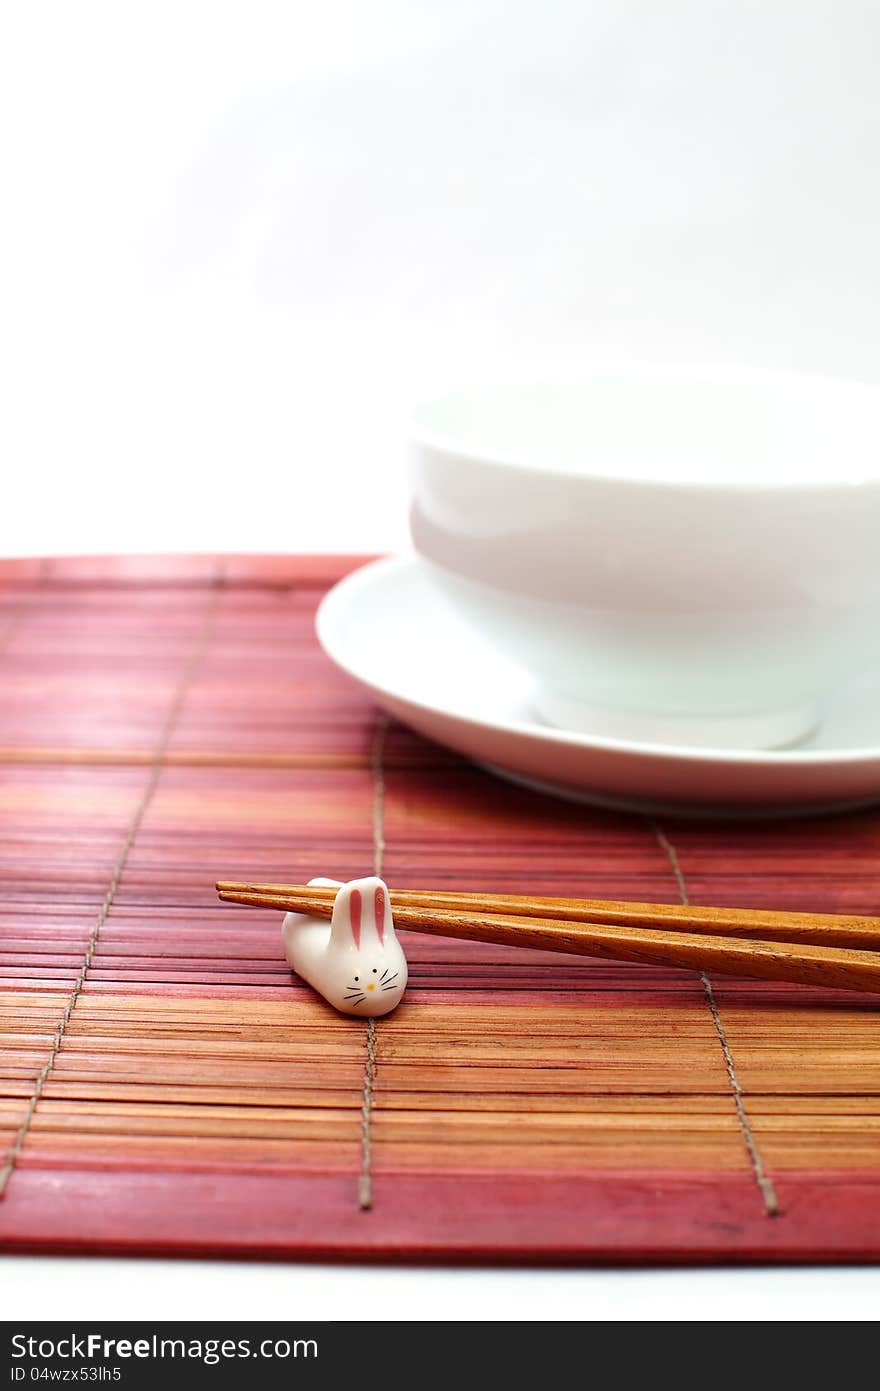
423 434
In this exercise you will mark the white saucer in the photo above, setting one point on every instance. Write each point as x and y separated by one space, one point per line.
392 631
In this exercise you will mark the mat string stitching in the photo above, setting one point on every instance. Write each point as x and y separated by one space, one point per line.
24 607
365 1180
181 690
765 1184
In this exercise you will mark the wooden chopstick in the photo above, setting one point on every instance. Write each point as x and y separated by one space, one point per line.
818 929
765 959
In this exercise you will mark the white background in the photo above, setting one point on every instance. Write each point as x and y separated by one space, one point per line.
240 240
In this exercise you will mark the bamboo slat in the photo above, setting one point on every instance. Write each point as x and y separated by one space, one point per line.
166 1085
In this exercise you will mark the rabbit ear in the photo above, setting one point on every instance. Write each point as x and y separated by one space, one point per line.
348 909
377 909
360 909
382 911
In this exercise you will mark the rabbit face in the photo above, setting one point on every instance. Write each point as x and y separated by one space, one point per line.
368 965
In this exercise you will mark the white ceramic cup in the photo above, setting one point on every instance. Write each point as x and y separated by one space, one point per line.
677 555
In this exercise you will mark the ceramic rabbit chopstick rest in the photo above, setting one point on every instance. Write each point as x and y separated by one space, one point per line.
355 961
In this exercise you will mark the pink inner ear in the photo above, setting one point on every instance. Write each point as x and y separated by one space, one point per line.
354 908
380 914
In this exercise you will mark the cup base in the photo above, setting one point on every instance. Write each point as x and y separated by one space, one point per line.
773 729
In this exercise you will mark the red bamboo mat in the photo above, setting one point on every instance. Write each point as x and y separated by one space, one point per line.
166 1086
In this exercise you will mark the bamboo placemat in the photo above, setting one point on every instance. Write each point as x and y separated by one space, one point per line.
166 1086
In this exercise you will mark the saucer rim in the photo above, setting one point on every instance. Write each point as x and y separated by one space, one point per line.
327 621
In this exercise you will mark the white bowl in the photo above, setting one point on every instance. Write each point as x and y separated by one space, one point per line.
685 555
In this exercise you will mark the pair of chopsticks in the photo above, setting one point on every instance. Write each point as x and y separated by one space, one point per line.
807 948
